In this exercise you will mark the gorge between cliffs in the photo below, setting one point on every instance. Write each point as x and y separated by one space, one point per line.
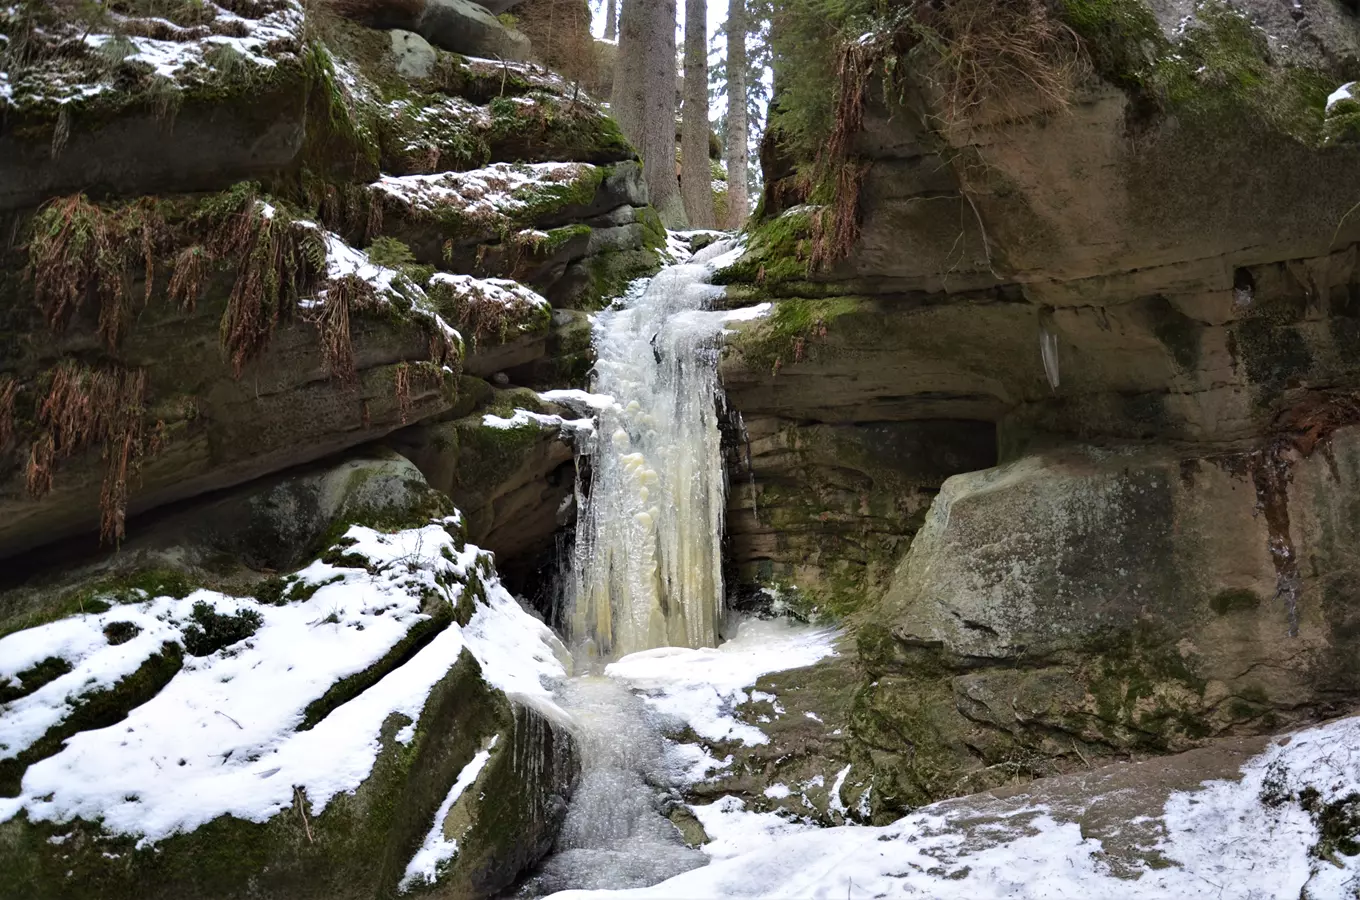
398 500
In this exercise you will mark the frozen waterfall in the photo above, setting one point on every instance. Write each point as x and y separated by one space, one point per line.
648 570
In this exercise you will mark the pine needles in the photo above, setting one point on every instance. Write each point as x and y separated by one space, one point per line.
84 407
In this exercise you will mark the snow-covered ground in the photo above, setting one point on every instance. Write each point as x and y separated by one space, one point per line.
1237 838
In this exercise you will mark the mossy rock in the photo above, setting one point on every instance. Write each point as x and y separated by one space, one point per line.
358 847
779 250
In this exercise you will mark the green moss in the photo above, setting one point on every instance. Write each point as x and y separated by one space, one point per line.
1342 123
1122 37
778 250
541 126
791 332
557 238
1142 684
102 594
96 709
653 231
541 199
1338 824
389 252
342 135
211 630
32 678
611 272
1220 72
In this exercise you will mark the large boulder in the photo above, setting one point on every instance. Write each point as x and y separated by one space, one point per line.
472 28
362 726
1082 603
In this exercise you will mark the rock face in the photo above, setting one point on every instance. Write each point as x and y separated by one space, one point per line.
459 26
253 248
511 470
1160 358
231 329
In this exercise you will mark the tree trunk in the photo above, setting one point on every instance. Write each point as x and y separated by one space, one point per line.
738 205
658 120
696 180
611 20
628 98
643 100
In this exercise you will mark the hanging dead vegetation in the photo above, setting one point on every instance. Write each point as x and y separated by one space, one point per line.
277 263
402 385
481 311
80 250
9 391
968 58
188 275
87 407
342 296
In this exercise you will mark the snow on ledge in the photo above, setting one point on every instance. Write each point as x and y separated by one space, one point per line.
521 418
493 191
437 849
510 294
1342 93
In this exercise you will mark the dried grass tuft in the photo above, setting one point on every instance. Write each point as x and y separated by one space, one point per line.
79 250
998 52
85 407
276 266
9 391
343 296
188 275
971 54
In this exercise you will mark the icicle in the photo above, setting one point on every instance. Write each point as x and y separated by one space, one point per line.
1048 346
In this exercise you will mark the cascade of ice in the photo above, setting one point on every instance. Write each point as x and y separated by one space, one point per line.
647 561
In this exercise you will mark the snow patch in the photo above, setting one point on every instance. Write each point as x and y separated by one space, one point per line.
1224 840
702 687
1342 93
